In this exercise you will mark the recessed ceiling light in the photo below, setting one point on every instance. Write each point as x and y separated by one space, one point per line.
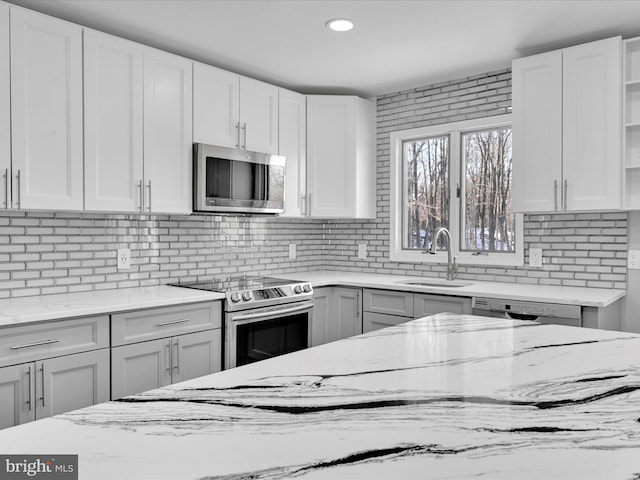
340 24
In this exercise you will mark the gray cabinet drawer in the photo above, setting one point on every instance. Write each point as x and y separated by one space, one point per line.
26 343
427 304
141 325
374 321
388 302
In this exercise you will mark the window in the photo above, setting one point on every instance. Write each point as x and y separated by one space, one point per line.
457 176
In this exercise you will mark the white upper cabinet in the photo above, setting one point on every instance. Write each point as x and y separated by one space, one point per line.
537 131
5 108
591 148
341 157
566 129
168 132
46 112
113 101
292 131
216 108
234 111
258 116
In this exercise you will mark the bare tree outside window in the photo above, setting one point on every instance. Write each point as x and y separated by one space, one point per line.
488 220
426 197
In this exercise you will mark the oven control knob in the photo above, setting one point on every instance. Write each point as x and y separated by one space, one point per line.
246 296
235 297
306 288
297 289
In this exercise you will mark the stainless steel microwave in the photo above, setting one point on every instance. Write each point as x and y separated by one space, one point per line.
237 181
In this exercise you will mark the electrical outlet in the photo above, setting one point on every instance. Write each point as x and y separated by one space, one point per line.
535 257
633 260
292 251
124 258
362 251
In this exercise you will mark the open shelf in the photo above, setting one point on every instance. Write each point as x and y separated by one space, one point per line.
632 57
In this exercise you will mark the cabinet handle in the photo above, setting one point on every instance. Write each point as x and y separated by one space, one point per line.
34 344
303 204
177 360
6 188
555 195
42 397
139 196
18 189
237 134
172 322
168 362
29 375
566 187
244 136
358 303
149 204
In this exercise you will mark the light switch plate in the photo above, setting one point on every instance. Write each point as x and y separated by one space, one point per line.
362 251
535 257
292 251
124 258
633 260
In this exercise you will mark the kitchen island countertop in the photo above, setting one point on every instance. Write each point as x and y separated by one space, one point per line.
443 397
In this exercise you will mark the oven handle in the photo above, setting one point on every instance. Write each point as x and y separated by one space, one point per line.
244 317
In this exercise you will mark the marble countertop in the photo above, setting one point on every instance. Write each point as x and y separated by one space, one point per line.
52 307
586 297
443 397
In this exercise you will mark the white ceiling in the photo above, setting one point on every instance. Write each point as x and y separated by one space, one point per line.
397 44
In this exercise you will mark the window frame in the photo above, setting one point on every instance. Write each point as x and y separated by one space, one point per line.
398 182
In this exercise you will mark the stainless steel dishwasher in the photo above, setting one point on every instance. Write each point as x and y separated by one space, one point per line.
520 310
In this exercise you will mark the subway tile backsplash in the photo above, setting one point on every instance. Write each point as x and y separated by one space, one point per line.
46 253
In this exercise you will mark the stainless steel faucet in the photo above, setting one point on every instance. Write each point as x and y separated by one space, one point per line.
452 267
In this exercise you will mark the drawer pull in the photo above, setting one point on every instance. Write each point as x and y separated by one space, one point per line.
34 344
172 322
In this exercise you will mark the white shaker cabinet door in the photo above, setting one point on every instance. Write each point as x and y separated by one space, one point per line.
537 133
5 110
347 319
113 123
16 395
292 132
216 106
46 112
591 125
258 116
167 132
71 382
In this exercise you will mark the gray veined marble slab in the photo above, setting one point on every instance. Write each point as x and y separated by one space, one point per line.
445 397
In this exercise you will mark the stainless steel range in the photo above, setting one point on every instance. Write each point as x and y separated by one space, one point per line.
264 316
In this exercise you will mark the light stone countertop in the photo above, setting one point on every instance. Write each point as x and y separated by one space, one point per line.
54 307
586 297
443 397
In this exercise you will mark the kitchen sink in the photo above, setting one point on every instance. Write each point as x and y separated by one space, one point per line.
436 282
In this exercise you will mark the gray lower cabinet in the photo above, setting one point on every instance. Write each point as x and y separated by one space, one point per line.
384 308
166 356
428 304
337 314
51 377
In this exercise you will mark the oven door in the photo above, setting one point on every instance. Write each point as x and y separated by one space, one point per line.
257 334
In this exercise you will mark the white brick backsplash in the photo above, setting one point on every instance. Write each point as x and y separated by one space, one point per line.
50 252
